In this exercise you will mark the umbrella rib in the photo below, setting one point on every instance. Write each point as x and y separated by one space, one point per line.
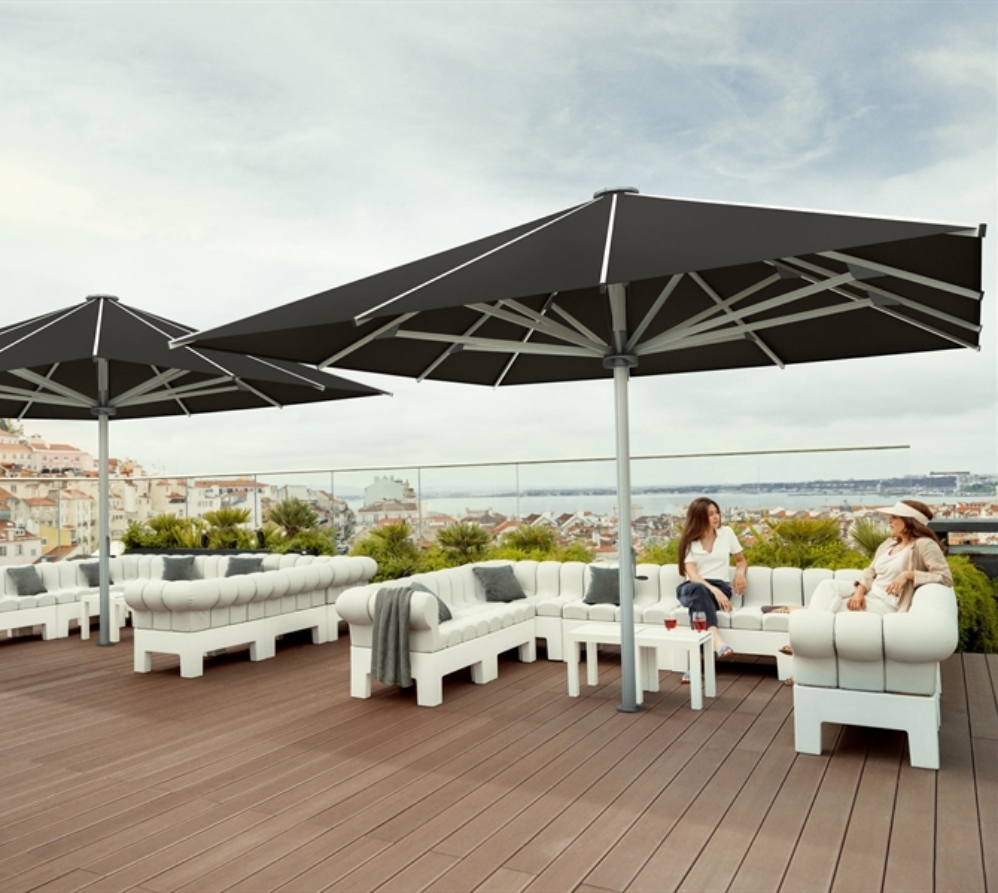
474 327
578 326
54 386
532 321
789 298
526 337
39 397
367 314
367 339
649 317
903 274
496 345
739 324
728 335
891 296
247 386
149 385
169 396
728 302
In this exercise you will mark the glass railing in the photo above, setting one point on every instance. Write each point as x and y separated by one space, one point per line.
61 511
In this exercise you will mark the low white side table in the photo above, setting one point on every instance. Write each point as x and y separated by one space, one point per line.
592 635
90 604
652 638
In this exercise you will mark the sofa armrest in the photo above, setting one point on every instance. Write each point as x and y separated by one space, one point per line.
356 607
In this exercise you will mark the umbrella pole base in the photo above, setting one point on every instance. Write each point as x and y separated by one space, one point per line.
624 708
106 644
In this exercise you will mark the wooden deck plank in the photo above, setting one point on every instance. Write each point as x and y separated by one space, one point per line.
268 776
959 856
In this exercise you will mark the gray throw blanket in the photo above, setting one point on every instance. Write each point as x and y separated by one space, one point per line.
390 645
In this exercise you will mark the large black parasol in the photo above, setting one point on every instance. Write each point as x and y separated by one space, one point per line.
103 358
628 284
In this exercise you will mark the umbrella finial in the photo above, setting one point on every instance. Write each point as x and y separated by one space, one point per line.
613 190
102 298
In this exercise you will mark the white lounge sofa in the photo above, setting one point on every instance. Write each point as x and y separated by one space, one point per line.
555 603
191 618
858 668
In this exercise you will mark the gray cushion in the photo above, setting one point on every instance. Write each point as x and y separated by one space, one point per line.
26 580
604 586
91 573
178 567
443 612
500 583
238 565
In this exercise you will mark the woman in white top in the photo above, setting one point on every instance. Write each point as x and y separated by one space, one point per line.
706 548
909 558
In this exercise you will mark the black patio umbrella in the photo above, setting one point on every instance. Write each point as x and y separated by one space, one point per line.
628 284
103 358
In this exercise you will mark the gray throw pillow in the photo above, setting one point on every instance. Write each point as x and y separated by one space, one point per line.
500 583
238 565
91 573
26 580
604 586
178 567
443 612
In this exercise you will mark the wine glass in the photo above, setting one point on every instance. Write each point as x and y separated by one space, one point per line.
699 621
670 623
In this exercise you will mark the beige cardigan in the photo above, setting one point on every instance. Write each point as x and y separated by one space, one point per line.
925 559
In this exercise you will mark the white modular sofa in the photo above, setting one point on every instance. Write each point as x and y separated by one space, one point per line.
53 610
191 618
555 603
859 668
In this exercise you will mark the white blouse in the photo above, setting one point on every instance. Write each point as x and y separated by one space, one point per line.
715 564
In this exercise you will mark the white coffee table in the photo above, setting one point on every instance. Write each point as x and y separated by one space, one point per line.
651 638
592 635
90 604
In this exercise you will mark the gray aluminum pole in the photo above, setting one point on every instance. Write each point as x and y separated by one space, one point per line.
621 362
103 412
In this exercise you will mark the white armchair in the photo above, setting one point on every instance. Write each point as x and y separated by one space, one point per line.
859 668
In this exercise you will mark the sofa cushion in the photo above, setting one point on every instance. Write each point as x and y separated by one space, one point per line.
500 583
178 567
91 573
237 565
26 580
443 612
604 586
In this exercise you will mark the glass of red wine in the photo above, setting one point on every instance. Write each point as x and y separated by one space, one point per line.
670 623
699 621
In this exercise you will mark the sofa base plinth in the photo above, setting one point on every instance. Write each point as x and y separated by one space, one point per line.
260 635
47 617
428 669
918 715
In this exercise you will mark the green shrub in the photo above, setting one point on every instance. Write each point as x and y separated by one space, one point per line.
660 553
803 542
977 598
392 547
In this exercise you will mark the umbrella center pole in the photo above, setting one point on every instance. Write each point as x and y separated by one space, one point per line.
621 365
104 413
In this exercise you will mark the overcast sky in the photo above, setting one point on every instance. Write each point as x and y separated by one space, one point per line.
208 161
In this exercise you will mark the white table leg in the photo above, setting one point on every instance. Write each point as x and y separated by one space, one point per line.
573 669
592 663
84 620
710 683
696 682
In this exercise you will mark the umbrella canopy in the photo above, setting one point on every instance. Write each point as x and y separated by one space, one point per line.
103 358
628 284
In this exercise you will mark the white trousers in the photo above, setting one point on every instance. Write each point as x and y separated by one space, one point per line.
833 595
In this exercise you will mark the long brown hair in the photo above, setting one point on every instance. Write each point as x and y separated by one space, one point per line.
697 524
915 529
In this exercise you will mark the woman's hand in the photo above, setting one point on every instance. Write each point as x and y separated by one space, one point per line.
896 586
857 602
723 602
738 584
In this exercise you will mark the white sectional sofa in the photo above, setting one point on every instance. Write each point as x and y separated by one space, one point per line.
554 603
191 618
858 668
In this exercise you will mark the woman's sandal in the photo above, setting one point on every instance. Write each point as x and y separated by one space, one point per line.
786 649
789 680
725 652
775 609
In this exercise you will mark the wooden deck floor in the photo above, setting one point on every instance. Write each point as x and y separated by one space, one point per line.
268 776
